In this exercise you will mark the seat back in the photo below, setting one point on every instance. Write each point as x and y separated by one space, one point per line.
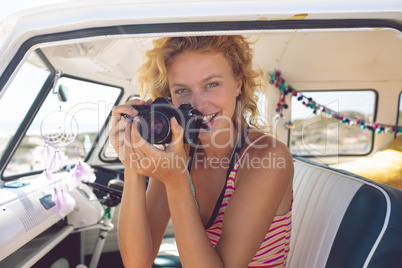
343 220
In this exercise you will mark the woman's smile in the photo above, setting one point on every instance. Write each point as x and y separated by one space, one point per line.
209 119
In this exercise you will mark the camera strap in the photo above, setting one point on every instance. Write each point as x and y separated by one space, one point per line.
233 159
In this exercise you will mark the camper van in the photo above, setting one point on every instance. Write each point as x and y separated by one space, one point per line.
333 95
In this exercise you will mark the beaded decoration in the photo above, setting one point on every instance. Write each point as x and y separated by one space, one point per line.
286 89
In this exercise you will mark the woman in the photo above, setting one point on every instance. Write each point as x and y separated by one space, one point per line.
232 208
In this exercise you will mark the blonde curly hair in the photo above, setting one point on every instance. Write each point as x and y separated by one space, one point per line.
153 79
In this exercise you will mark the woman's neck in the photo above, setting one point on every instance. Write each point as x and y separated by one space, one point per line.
221 145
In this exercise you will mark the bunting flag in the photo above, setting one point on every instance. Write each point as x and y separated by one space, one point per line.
286 89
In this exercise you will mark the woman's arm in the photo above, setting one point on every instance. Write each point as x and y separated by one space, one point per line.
143 218
263 190
143 214
193 244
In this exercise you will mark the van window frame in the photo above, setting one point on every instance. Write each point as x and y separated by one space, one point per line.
374 120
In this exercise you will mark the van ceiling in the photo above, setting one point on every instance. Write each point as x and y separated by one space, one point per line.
303 55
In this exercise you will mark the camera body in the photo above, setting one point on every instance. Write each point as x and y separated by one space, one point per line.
154 125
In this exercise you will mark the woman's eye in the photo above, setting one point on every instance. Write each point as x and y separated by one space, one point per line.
181 91
212 84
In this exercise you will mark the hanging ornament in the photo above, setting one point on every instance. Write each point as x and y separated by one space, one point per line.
56 161
284 88
58 129
42 154
81 172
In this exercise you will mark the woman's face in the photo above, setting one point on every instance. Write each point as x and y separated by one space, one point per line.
206 81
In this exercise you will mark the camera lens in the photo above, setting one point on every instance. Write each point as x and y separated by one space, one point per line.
155 128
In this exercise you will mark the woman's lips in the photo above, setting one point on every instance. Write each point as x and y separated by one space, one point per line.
209 119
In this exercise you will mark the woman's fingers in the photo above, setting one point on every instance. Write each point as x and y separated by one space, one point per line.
141 155
148 102
126 109
137 140
116 133
121 111
177 136
121 115
133 150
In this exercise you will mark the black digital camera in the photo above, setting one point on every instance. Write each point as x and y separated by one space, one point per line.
154 125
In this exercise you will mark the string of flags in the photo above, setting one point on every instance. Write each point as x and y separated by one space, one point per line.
286 89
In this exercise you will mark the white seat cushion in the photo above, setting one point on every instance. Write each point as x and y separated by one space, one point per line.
321 198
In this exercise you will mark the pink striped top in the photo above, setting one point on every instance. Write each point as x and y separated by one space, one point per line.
274 249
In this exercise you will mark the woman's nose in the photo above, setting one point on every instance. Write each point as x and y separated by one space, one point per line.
199 100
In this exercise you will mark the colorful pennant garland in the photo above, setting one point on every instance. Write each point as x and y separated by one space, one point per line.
285 89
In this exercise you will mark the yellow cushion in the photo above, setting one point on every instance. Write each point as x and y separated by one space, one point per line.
396 144
385 166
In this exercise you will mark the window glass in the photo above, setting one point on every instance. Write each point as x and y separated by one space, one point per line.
70 127
108 153
19 96
319 134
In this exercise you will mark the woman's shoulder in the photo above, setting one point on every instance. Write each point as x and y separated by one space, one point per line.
264 153
265 162
260 144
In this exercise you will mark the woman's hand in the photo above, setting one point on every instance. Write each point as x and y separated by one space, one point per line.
119 122
139 155
167 165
